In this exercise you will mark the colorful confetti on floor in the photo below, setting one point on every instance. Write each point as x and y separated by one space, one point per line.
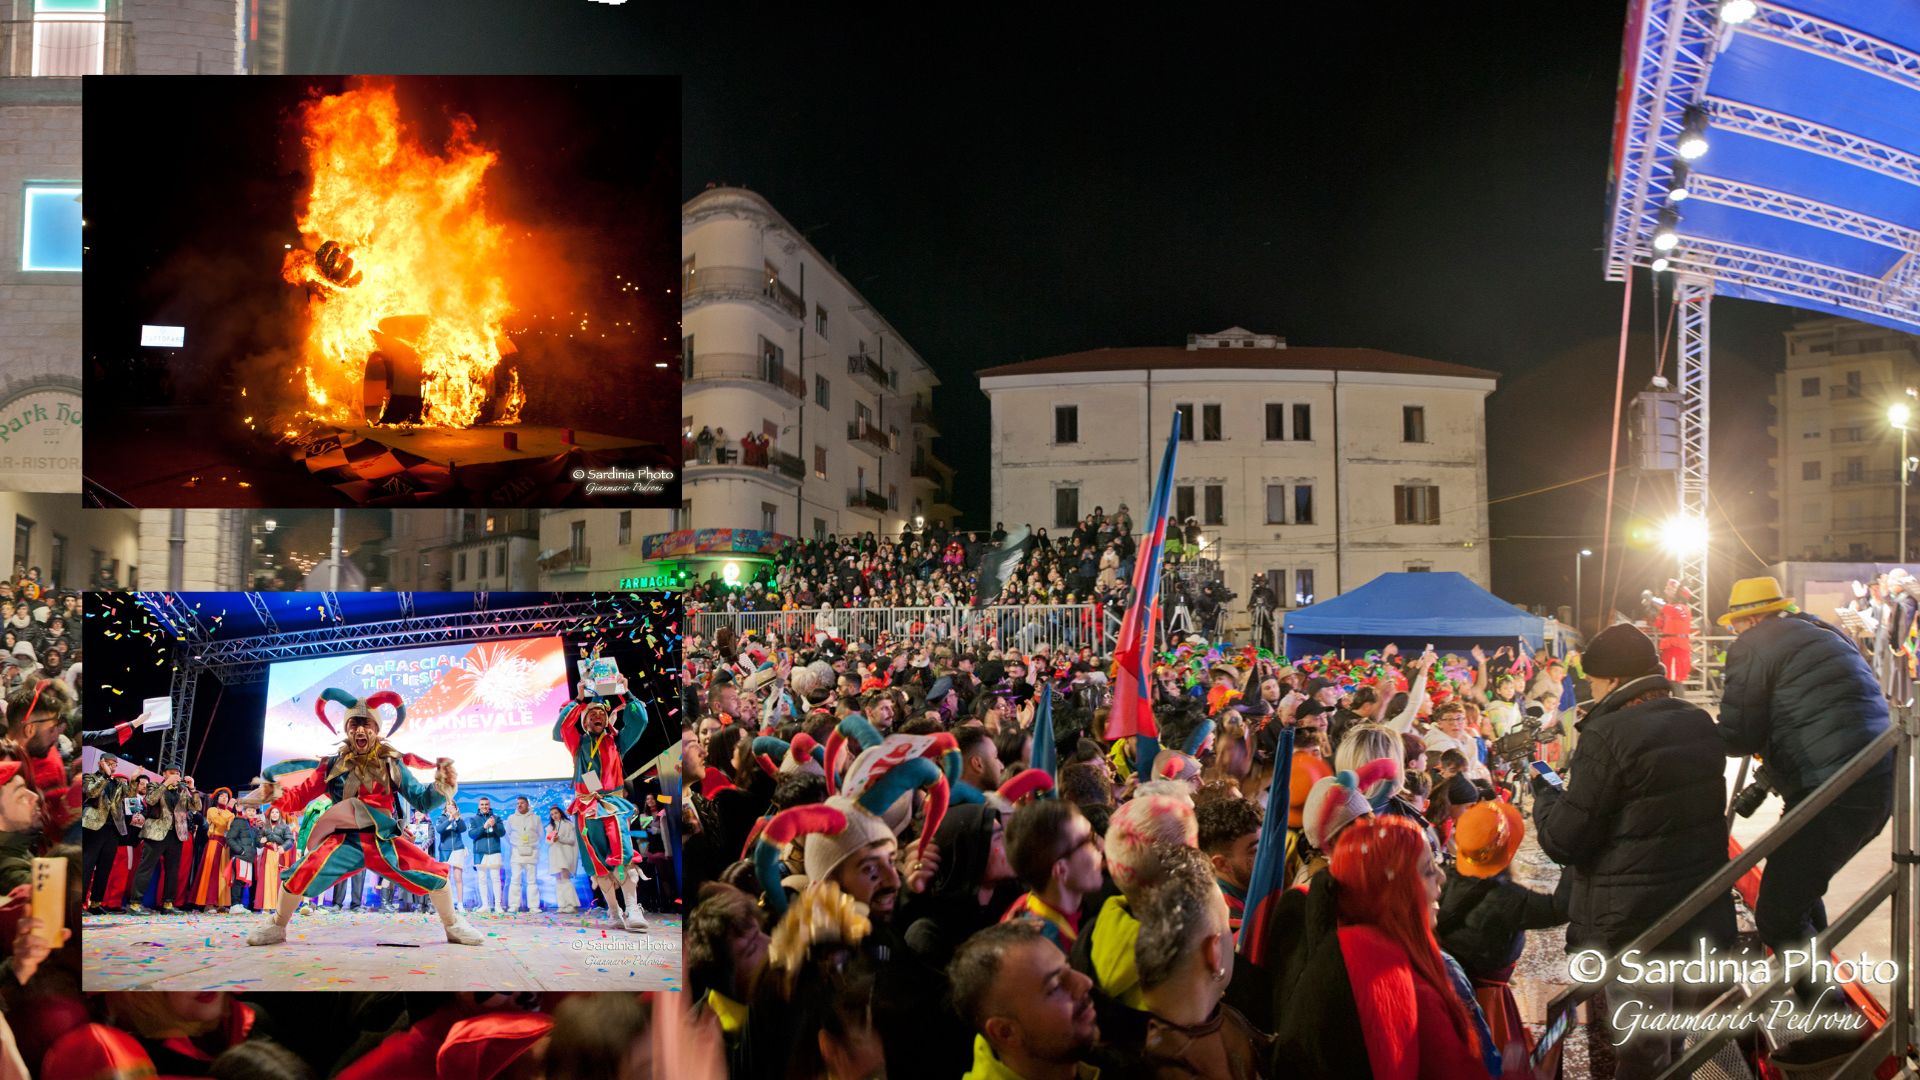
547 951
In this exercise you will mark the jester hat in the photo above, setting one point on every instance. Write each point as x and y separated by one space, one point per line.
361 707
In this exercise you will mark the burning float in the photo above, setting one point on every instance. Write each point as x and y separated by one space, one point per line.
406 374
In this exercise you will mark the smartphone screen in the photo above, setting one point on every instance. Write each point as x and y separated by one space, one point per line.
1546 772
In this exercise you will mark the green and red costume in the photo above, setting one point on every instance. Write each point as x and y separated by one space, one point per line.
361 828
599 812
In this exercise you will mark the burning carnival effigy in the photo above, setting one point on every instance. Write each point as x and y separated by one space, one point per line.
405 299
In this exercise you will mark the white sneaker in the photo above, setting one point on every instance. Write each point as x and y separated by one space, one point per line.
459 932
237 909
636 919
270 933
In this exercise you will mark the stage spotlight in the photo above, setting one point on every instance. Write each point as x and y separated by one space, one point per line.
731 573
1666 234
1661 264
1684 535
1735 12
1677 185
1693 133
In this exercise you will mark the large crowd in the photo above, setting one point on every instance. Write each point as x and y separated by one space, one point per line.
893 878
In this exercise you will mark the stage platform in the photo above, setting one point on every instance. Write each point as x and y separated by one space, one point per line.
544 951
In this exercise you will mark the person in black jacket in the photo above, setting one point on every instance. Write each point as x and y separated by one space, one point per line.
1800 696
1640 824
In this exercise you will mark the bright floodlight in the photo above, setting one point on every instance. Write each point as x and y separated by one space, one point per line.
1677 183
1684 535
730 572
1693 134
1735 12
1666 233
1661 264
1586 553
1899 414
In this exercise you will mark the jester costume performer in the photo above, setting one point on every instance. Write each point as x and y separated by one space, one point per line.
361 828
597 734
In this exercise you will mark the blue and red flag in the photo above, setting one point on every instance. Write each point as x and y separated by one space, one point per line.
1265 887
1045 755
1133 653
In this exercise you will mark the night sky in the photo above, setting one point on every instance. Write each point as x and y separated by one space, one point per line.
1427 180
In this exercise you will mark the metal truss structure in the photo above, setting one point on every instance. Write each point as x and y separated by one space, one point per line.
244 660
1692 296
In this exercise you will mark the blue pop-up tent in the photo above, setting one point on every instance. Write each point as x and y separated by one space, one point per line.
1444 609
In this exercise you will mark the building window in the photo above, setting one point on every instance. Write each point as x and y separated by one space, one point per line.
22 541
500 561
1186 421
1302 588
1210 423
1419 568
483 562
1854 469
1413 423
57 563
460 574
1416 504
820 320
822 392
1066 424
773 361
1276 504
820 462
686 276
769 518
50 228
1809 470
69 37
1182 503
1066 507
819 528
578 543
683 517
1277 581
1303 504
893 496
1303 423
1810 387
1853 383
686 356
1215 505
626 528
1276 421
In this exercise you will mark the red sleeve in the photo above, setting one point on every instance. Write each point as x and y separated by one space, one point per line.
1444 1055
293 800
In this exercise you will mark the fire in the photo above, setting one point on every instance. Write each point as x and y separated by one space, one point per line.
413 222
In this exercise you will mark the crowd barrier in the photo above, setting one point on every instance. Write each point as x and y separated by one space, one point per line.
1024 627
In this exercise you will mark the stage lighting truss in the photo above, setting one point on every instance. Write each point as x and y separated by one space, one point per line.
1895 297
1666 230
1831 41
1662 79
1692 144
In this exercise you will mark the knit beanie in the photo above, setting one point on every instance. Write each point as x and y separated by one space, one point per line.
1334 802
1621 651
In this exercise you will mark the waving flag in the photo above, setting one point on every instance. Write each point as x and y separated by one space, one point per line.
1270 858
1133 653
1045 755
997 566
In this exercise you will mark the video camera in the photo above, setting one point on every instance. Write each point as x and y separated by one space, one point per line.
1749 798
1516 747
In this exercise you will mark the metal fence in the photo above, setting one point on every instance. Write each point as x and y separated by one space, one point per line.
1024 627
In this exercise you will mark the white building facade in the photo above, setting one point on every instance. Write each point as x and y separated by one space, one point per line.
1837 461
777 344
1319 467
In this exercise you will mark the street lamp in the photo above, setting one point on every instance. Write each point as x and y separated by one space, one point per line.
1585 554
1898 414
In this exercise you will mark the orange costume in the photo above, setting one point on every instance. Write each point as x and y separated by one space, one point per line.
212 887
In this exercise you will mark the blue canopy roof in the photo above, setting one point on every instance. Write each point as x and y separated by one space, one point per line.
1445 609
1808 193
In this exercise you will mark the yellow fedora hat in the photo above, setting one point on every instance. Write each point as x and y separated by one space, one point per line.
1754 596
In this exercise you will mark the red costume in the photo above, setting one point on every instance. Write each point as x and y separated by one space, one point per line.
1675 629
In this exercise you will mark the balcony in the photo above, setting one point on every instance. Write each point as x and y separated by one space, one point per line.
923 416
923 469
1866 477
1844 436
870 371
866 437
1866 523
567 561
773 466
861 499
1844 392
54 47
786 387
708 283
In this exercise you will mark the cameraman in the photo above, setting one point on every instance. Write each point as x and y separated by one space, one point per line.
1261 602
1639 825
1803 698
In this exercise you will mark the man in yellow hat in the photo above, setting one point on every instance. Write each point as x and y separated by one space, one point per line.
1803 698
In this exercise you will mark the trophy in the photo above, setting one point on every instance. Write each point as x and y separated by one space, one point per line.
600 674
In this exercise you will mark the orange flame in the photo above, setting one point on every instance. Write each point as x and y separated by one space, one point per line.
414 224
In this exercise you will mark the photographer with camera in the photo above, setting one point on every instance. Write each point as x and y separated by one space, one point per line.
1639 825
1261 602
1799 695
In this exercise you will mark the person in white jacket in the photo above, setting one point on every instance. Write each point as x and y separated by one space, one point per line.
523 846
563 858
